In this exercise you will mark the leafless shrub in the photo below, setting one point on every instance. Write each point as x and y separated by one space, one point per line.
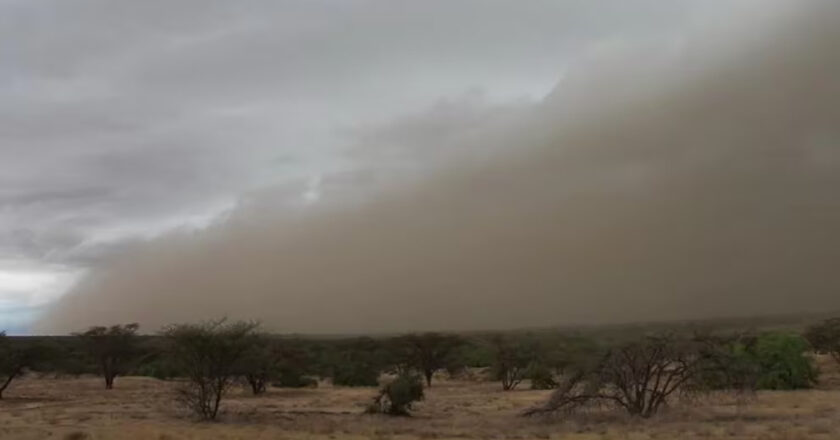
209 354
640 377
512 360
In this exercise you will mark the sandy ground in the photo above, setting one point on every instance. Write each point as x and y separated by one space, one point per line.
143 408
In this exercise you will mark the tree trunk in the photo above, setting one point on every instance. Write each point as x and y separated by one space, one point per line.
257 385
216 403
109 370
429 374
6 384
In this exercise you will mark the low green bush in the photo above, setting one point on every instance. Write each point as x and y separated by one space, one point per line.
397 397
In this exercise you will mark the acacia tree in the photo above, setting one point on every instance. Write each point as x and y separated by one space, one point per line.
261 362
210 355
640 376
114 349
428 352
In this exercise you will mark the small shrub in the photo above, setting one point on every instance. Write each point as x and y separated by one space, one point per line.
825 337
397 397
541 377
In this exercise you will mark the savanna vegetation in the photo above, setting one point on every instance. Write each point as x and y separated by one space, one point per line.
638 373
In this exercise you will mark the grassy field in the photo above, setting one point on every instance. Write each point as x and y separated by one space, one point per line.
143 408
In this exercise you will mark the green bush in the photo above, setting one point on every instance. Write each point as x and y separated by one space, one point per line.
359 363
783 362
730 366
770 361
541 377
397 397
477 355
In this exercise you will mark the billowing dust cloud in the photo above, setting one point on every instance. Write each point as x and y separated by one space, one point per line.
707 188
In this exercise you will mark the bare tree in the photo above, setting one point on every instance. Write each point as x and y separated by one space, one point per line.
428 352
209 353
512 360
641 376
114 348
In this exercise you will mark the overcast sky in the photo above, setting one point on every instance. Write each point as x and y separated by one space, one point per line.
121 120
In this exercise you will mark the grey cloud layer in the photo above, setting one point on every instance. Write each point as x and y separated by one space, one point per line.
701 185
119 117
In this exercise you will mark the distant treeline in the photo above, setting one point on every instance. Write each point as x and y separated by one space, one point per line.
318 357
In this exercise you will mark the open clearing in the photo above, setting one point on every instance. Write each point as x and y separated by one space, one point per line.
143 408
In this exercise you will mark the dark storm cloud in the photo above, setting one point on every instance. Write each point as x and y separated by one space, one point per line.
698 180
124 118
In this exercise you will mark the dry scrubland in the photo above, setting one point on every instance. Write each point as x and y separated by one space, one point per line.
142 408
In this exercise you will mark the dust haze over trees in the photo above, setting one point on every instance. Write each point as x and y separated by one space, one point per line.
720 159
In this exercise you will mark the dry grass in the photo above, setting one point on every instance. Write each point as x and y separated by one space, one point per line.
142 408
